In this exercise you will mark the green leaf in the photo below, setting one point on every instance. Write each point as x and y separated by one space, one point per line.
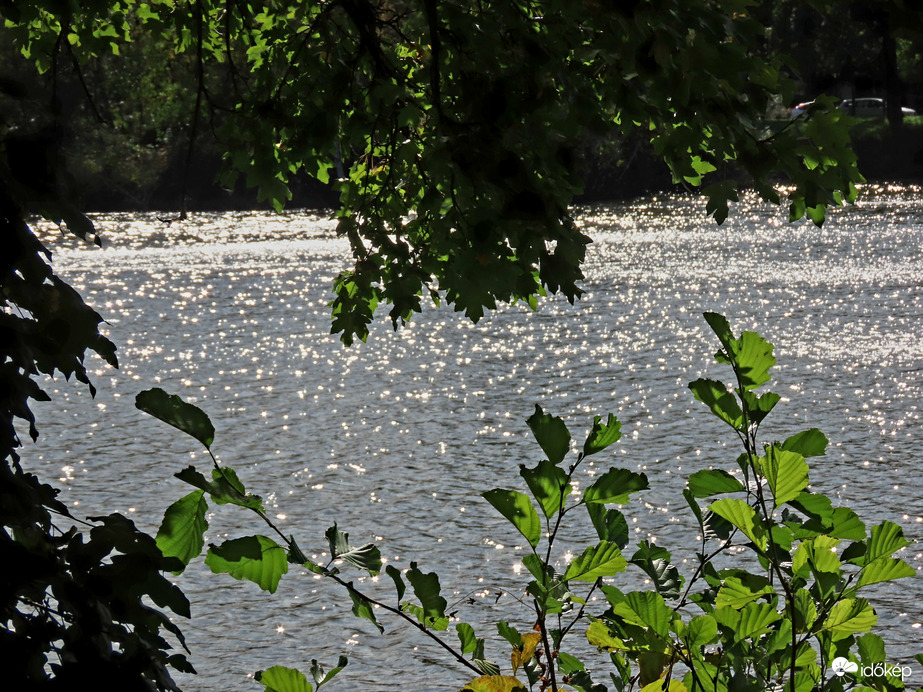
646 608
737 592
321 677
602 435
743 516
366 557
847 525
439 624
362 608
517 509
759 407
282 679
614 487
486 667
754 620
549 486
871 649
753 356
850 615
426 588
610 524
338 541
602 560
551 433
722 403
786 473
254 558
816 506
655 562
713 482
466 637
395 574
818 553
599 635
750 355
511 634
224 488
809 443
701 631
885 569
886 538
172 410
570 664
694 506
181 534
663 685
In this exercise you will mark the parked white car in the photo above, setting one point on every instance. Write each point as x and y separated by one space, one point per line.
864 108
869 108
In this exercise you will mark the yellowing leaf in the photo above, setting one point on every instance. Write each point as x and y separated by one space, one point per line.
598 634
657 686
494 683
519 656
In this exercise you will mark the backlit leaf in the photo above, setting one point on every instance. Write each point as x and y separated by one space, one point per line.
426 589
602 435
598 635
736 593
282 679
610 524
466 637
517 508
886 538
786 472
646 608
551 433
809 443
755 618
181 534
743 516
701 630
664 686
710 482
548 484
750 355
602 560
614 487
850 615
172 410
254 558
885 569
362 608
722 403
224 488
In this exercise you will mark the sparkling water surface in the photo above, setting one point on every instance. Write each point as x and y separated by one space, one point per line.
395 439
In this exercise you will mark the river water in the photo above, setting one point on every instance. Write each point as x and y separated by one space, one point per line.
396 438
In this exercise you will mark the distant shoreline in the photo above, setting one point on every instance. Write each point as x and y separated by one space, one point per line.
882 157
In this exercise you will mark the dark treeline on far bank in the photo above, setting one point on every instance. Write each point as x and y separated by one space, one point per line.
125 126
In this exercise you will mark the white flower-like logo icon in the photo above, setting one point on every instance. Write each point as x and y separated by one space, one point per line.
841 666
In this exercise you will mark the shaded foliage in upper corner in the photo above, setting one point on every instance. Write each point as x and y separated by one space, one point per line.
73 593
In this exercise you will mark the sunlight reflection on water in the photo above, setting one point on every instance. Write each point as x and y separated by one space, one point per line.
396 438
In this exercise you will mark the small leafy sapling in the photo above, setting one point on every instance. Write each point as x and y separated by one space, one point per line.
780 619
786 615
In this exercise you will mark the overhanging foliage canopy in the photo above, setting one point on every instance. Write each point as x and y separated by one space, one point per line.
449 127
